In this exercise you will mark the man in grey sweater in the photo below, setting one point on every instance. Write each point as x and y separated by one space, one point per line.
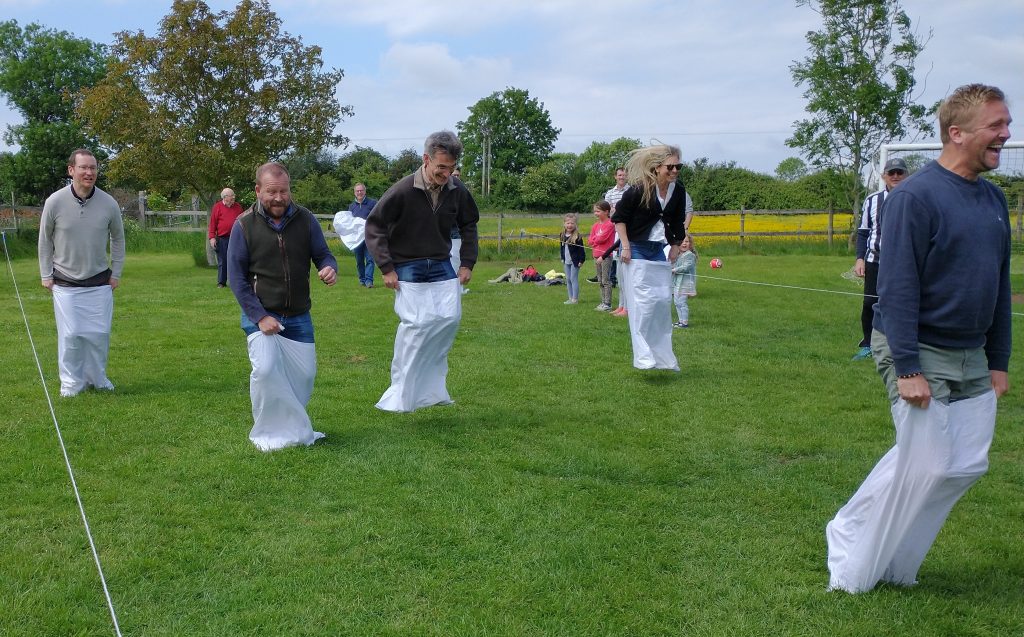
77 224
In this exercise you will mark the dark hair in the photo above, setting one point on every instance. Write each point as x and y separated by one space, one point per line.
603 205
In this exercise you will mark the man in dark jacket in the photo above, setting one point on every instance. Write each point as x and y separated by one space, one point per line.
269 253
409 235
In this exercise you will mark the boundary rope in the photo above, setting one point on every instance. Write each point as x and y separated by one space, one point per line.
60 438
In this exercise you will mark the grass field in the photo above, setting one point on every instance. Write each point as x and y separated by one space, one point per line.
565 493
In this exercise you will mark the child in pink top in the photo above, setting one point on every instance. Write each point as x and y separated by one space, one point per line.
602 236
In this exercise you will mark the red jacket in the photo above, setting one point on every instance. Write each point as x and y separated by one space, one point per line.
222 218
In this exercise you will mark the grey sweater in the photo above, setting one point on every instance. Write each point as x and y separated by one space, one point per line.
73 235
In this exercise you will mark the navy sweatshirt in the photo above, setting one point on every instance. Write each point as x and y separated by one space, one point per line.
944 278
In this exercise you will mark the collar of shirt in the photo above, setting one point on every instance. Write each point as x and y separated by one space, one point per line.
277 225
82 200
668 194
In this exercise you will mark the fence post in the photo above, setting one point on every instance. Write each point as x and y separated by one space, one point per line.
743 218
142 208
831 215
195 211
13 211
1020 216
501 216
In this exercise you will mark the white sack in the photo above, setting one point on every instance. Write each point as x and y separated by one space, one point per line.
84 317
429 315
649 303
456 257
884 532
350 229
280 386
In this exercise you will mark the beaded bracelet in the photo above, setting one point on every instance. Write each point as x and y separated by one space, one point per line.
915 374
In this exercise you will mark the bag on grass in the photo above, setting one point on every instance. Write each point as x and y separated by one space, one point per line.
884 532
531 274
649 304
280 385
429 315
350 229
84 317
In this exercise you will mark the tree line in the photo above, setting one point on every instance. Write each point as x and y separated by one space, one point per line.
199 104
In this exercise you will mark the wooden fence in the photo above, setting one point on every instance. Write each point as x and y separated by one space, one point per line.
13 218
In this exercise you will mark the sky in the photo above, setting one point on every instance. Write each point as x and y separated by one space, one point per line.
710 77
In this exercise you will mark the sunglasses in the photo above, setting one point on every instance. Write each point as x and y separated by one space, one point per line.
895 171
673 166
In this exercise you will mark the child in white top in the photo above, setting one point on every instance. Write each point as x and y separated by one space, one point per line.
684 281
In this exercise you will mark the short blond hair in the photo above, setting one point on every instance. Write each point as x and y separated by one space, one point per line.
958 108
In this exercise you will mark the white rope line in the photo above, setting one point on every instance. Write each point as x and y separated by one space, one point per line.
772 285
60 438
796 287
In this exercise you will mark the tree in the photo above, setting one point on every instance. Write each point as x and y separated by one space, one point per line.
321 193
602 158
303 165
518 128
40 72
404 164
859 82
791 169
211 97
364 165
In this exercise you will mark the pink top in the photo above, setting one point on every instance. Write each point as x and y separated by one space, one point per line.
602 236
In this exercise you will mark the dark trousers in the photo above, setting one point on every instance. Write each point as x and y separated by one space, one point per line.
867 310
222 259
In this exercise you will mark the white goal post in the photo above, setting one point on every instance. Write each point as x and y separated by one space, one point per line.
1011 159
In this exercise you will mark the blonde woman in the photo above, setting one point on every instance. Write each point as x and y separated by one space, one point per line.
651 214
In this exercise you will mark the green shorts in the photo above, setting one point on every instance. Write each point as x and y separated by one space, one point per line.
952 374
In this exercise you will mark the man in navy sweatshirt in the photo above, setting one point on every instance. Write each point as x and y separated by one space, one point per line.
941 342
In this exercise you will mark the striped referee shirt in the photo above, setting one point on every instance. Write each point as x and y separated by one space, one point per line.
868 235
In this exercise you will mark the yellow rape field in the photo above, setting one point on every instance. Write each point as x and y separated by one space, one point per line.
842 223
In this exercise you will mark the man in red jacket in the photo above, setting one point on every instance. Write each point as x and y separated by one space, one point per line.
222 217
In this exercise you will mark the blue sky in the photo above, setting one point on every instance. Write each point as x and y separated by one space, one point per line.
710 77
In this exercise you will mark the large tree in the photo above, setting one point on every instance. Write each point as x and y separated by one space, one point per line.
518 128
40 72
858 80
210 97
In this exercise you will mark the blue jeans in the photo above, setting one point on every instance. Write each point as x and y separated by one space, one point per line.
647 250
296 328
364 264
425 271
572 281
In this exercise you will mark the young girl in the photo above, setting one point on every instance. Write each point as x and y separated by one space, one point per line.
573 256
684 281
602 236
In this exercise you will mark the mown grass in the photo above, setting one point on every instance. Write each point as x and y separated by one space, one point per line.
565 493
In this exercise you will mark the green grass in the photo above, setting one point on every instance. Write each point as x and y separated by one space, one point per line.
565 493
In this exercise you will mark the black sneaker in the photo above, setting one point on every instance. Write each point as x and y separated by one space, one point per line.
592 279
